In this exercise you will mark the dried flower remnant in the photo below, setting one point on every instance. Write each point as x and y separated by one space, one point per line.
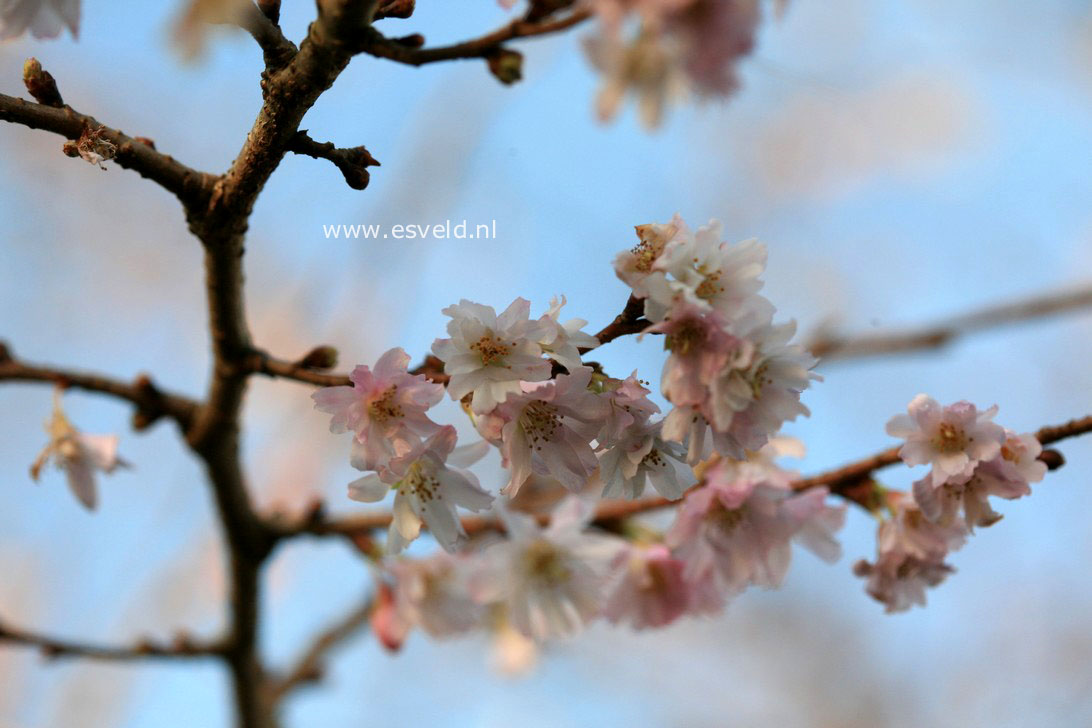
92 147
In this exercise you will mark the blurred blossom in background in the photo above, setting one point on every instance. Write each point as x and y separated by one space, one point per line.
902 160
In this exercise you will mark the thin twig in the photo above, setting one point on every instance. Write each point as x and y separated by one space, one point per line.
376 44
52 647
308 668
188 185
151 403
934 336
352 161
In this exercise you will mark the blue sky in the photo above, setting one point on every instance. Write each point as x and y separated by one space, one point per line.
902 160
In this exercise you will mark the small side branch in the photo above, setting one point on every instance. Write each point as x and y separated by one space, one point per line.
935 336
376 44
54 648
151 403
309 667
352 161
188 185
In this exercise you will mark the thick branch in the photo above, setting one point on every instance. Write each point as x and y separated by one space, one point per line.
942 333
288 92
52 647
188 185
376 44
151 403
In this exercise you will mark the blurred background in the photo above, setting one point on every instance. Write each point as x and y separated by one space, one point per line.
903 161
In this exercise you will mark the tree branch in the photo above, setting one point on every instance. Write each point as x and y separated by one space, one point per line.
376 44
51 647
151 403
188 185
845 481
830 346
308 667
261 23
353 161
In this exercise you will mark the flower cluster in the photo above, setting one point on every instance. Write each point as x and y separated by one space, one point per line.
568 433
659 49
735 530
732 376
971 458
385 408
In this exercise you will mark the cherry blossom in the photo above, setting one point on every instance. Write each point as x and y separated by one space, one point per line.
649 65
43 18
489 355
550 581
738 526
385 409
637 267
710 274
1006 476
628 406
427 491
433 593
78 454
562 341
548 429
641 456
911 552
700 348
953 439
649 589
677 45
716 34
752 397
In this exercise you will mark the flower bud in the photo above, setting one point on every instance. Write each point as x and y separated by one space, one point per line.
40 84
505 65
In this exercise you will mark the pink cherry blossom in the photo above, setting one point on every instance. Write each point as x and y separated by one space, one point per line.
433 594
628 406
1006 476
384 408
43 18
489 355
716 34
738 526
549 581
548 429
78 454
910 558
700 348
641 456
427 491
752 397
387 624
649 589
953 439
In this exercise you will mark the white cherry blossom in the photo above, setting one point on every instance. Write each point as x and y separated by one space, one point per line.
489 355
